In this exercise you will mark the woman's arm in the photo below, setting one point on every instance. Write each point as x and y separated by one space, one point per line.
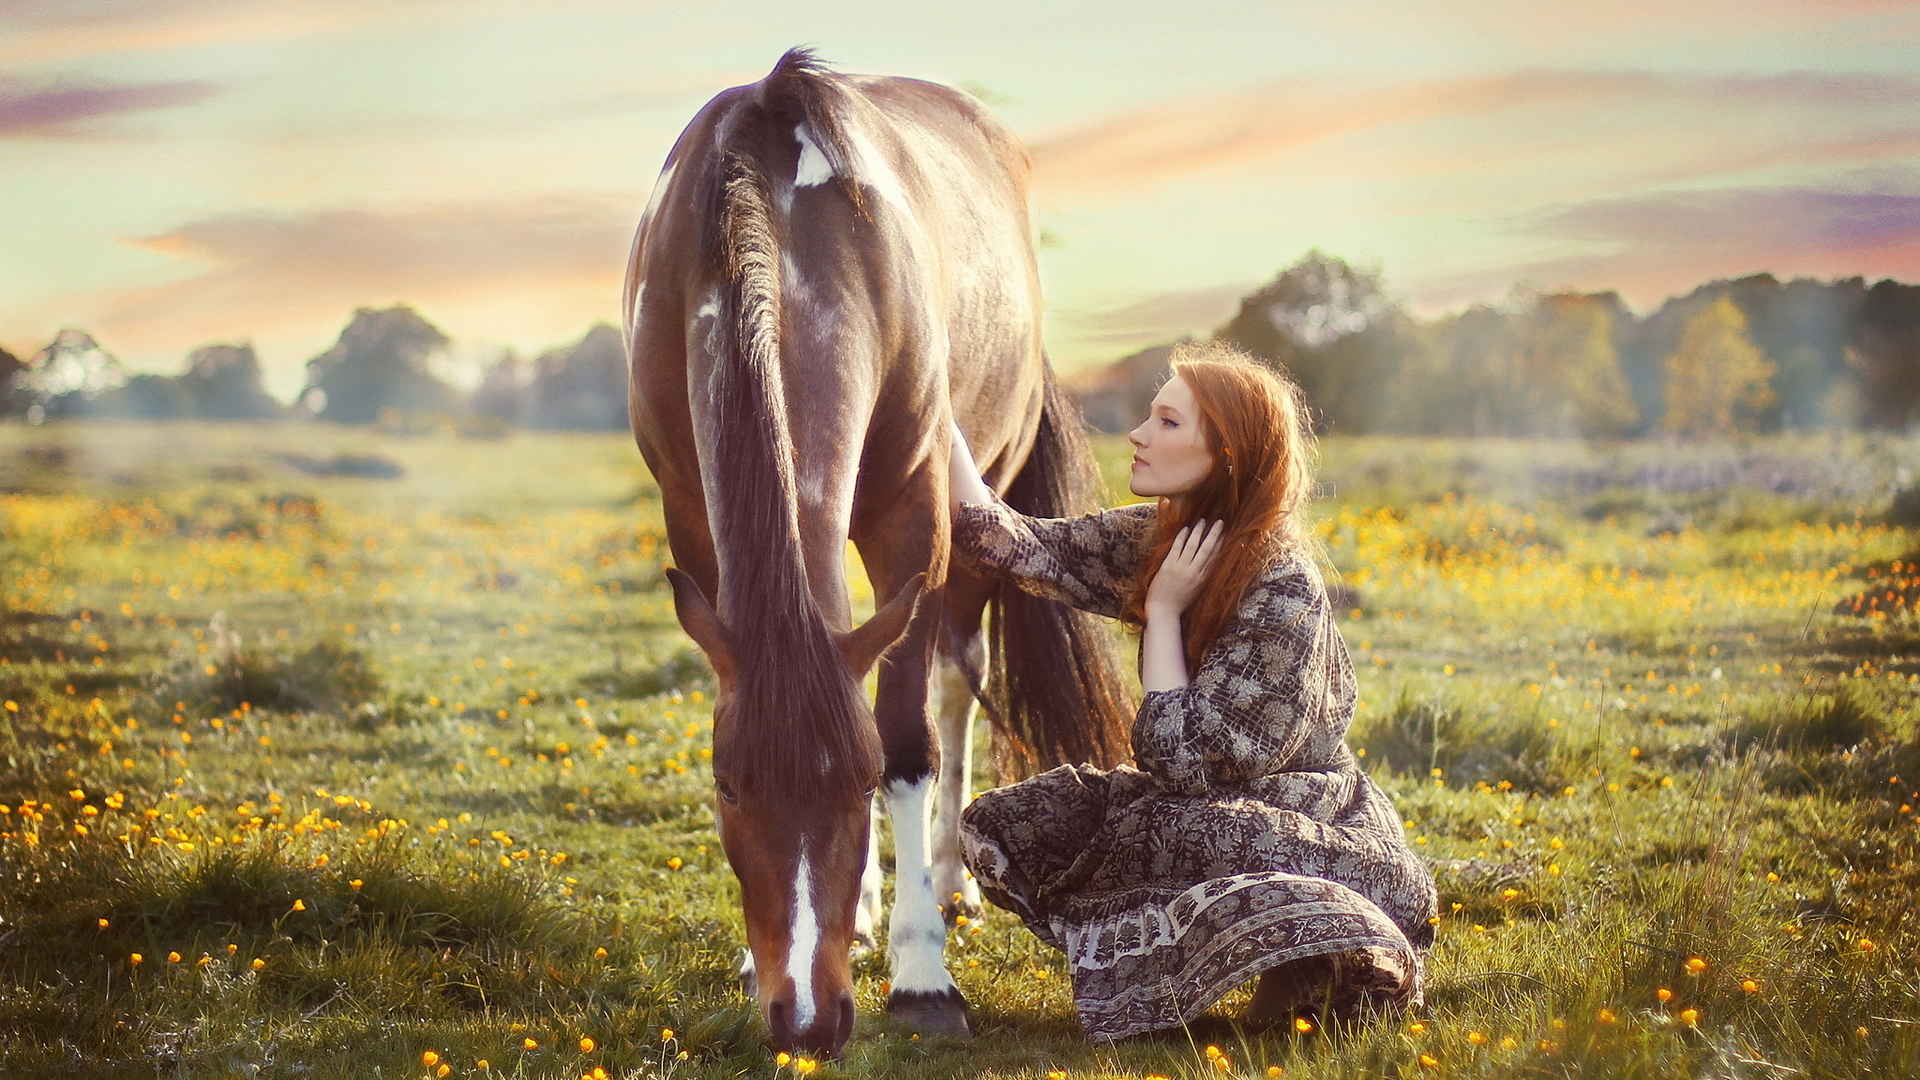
1087 561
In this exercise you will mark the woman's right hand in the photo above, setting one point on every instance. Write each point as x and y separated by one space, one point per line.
963 476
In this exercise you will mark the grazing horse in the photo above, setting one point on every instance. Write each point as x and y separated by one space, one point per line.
831 266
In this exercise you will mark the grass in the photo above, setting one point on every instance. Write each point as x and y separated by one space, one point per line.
416 765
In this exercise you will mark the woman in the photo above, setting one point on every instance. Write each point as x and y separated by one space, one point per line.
1247 842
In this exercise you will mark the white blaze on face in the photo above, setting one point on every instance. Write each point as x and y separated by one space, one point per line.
803 943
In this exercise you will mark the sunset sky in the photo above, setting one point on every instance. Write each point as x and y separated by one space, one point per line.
183 172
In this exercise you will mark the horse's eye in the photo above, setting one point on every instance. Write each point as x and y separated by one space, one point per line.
725 789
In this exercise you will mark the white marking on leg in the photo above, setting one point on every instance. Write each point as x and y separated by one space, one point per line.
867 916
916 936
956 710
802 944
814 168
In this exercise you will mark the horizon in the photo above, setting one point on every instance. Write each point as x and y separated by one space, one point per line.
487 166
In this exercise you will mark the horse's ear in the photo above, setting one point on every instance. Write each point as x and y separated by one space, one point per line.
697 618
862 645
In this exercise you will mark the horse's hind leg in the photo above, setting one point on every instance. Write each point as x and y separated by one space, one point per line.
867 916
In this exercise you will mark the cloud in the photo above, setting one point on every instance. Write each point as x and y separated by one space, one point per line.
1161 316
539 268
1649 247
1125 152
60 110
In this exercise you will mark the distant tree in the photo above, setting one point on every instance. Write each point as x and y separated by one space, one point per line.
380 362
223 382
1885 355
1571 377
502 393
70 373
14 397
146 397
583 385
1333 329
1717 381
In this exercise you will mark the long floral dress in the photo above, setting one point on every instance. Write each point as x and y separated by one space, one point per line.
1247 839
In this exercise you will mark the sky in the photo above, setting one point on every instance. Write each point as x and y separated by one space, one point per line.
178 173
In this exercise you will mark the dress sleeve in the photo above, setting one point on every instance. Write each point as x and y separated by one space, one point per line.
1087 561
1263 689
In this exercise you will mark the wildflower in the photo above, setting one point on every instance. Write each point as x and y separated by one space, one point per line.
600 953
1509 1043
1867 945
675 863
1860 1031
1695 965
1509 894
1416 1027
443 1071
103 924
1303 1025
1212 1052
1056 1074
355 884
258 964
232 948
1690 1017
1428 1061
529 1044
173 958
805 1066
429 1058
1608 1016
1275 1070
666 1034
782 1059
483 1065
136 959
299 905
586 1044
1663 994
1749 986
1476 1038
203 961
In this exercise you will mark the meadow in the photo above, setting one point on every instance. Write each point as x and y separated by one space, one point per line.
318 767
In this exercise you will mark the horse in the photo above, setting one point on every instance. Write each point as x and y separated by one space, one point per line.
830 268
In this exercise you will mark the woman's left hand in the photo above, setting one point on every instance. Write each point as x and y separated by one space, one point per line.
1178 580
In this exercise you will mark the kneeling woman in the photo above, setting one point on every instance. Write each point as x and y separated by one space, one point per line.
1248 841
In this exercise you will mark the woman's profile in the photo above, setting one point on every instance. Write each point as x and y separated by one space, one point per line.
1247 841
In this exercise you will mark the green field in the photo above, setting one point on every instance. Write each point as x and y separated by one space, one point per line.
381 774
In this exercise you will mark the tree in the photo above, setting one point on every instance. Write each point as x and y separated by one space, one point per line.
146 397
70 373
380 362
1716 380
583 385
1571 370
1333 329
14 397
223 382
1885 355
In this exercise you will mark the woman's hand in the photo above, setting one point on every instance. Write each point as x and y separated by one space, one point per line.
1178 580
963 476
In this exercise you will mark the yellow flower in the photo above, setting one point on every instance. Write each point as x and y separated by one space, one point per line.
355 884
586 1044
666 1035
529 1044
1749 986
1663 994
1476 1038
1867 945
1416 1028
299 905
257 964
103 924
1509 1043
1428 1061
232 948
1690 1017
675 863
443 1070
805 1066
173 958
1608 1016
136 959
1860 1031
600 953
429 1058
1695 965
782 1059
483 1065
1275 1070
1302 1025
1212 1052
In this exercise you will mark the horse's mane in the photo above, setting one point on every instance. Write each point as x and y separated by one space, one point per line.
798 719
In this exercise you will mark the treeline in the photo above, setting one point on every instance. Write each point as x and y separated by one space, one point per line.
1749 356
383 369
1754 355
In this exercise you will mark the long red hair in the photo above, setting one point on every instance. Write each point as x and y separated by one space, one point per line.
1254 422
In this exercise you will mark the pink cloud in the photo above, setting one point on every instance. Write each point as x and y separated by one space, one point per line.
58 109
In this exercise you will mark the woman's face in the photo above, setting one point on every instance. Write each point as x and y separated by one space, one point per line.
1170 454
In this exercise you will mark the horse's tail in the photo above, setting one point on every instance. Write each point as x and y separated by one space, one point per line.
1057 689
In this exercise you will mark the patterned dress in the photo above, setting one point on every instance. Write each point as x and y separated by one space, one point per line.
1247 840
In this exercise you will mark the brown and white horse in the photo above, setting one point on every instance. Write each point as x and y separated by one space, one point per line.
830 267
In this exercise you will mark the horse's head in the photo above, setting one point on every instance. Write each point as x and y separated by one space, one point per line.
796 760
